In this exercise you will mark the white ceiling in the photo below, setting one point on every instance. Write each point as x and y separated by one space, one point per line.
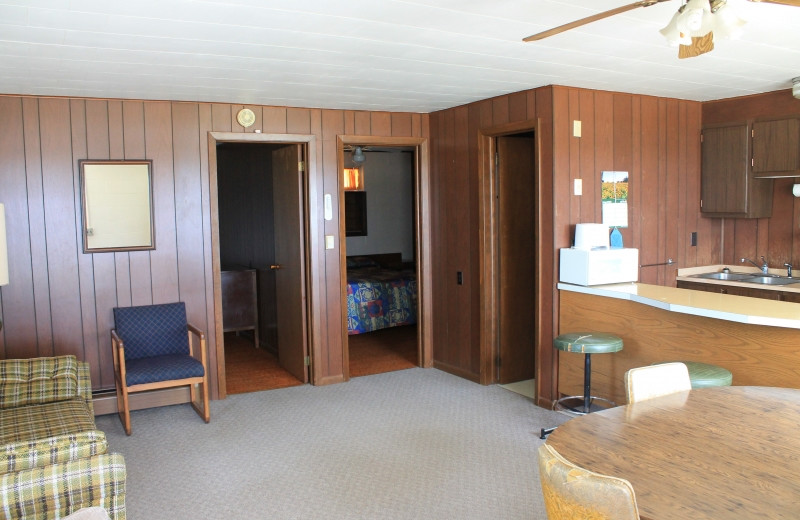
398 55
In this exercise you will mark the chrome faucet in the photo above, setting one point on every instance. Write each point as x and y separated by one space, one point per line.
764 267
788 267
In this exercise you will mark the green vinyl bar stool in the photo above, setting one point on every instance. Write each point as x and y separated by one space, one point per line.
586 343
703 375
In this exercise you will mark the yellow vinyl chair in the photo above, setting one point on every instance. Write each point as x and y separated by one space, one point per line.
656 380
574 493
154 347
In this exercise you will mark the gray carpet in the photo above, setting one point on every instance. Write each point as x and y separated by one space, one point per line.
411 444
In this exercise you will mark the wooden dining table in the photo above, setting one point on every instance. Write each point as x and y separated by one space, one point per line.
712 453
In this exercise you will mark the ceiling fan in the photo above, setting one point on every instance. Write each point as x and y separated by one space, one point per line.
693 41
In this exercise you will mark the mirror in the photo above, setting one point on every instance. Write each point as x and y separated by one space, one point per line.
614 190
117 198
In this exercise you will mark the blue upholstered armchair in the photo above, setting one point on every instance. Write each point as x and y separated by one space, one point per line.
154 347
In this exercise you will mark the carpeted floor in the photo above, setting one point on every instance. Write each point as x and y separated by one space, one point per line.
410 444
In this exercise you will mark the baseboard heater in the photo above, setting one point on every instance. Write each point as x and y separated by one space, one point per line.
105 401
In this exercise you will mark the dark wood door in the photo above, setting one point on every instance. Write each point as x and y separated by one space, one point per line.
516 221
289 268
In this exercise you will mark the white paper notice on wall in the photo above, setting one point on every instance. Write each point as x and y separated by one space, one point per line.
328 207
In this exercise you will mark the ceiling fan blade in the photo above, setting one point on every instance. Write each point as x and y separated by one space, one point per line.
600 16
794 3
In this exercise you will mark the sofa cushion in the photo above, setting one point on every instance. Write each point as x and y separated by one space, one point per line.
38 380
52 450
39 421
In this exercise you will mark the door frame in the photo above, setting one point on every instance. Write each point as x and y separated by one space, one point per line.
312 228
488 241
422 223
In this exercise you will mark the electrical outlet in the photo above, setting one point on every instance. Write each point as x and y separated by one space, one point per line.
460 278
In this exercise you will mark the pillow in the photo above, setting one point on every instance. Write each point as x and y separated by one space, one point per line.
361 261
38 380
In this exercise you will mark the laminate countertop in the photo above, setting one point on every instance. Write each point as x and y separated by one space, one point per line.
741 309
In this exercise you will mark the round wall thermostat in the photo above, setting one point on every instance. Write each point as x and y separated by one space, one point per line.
246 117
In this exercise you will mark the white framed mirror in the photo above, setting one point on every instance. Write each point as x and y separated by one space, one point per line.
117 199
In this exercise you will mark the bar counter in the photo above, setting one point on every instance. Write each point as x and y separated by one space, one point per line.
757 340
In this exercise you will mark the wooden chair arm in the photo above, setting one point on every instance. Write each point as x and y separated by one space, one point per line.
196 331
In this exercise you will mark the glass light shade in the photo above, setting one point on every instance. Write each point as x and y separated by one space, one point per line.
673 35
727 23
353 179
3 247
358 155
696 18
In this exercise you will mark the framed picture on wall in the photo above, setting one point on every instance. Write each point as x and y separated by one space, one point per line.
355 213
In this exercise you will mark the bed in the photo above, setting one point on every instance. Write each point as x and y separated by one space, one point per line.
380 293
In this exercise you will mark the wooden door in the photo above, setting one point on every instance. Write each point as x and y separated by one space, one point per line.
289 267
516 221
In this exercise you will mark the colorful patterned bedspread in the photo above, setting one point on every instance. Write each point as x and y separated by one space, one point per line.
380 298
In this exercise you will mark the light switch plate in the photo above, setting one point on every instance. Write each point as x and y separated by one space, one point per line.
576 128
328 204
578 189
328 241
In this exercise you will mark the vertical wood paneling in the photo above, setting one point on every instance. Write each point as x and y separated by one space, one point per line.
499 110
159 146
381 123
60 226
38 234
518 106
401 124
298 121
19 333
589 207
274 120
575 172
363 123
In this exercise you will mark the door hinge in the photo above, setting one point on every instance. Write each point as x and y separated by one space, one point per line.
307 361
301 166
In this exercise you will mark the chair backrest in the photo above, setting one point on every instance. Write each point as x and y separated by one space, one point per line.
572 492
152 330
656 380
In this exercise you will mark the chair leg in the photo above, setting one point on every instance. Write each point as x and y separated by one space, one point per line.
204 412
123 408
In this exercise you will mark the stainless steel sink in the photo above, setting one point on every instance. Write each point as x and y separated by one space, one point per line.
771 280
725 276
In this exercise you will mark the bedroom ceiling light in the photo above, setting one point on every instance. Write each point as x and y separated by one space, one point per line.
358 155
353 180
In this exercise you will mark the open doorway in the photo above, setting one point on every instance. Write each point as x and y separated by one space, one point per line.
262 261
385 258
381 296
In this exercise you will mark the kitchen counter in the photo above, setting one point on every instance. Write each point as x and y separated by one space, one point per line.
758 340
741 309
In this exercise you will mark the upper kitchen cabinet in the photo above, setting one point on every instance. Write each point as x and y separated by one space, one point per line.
776 148
728 184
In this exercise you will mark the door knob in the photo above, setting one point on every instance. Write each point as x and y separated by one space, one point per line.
275 267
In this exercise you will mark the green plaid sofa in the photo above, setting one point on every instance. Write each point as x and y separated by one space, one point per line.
53 460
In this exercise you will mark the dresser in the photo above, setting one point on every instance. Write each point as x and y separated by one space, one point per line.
240 301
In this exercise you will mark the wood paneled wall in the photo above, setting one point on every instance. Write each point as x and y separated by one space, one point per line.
776 237
657 140
59 299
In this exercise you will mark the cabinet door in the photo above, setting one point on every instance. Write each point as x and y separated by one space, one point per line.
776 146
728 186
724 169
